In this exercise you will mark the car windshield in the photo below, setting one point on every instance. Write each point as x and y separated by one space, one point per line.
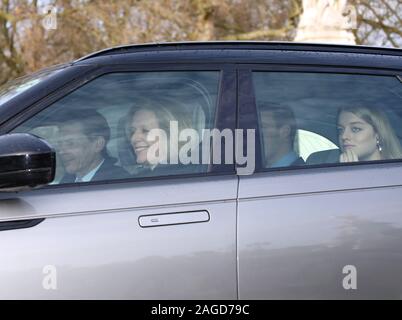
14 87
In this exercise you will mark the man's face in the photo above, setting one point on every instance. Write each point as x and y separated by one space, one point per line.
270 134
78 152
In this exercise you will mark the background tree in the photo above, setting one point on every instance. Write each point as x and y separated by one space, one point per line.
84 26
379 22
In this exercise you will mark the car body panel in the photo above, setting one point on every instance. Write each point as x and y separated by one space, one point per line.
294 242
93 238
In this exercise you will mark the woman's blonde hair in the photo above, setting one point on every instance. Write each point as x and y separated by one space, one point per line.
388 141
165 110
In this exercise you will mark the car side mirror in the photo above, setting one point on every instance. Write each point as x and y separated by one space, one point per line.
26 162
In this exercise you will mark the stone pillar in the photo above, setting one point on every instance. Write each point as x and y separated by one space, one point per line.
326 21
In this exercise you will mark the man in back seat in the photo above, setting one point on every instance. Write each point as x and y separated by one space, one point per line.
278 131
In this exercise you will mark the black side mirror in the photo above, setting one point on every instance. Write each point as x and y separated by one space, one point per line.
26 162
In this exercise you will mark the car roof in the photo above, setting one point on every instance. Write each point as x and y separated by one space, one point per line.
249 52
243 45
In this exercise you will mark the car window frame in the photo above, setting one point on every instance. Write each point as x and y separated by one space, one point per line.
248 113
68 75
225 112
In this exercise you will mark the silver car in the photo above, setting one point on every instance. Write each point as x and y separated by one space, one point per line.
234 170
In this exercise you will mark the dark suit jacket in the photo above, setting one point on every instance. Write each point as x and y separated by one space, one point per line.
107 171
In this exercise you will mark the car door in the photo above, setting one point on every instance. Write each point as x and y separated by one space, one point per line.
162 236
323 229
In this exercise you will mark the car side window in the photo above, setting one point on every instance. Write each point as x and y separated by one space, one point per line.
128 125
323 118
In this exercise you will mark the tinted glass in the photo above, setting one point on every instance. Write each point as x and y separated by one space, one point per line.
13 88
128 125
318 118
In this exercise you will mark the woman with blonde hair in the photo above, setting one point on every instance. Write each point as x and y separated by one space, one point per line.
365 134
146 115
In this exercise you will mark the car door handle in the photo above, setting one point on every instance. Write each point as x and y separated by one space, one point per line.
167 219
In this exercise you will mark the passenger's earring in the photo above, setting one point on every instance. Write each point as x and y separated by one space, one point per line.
379 147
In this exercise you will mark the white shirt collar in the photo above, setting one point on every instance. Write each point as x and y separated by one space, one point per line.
88 177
